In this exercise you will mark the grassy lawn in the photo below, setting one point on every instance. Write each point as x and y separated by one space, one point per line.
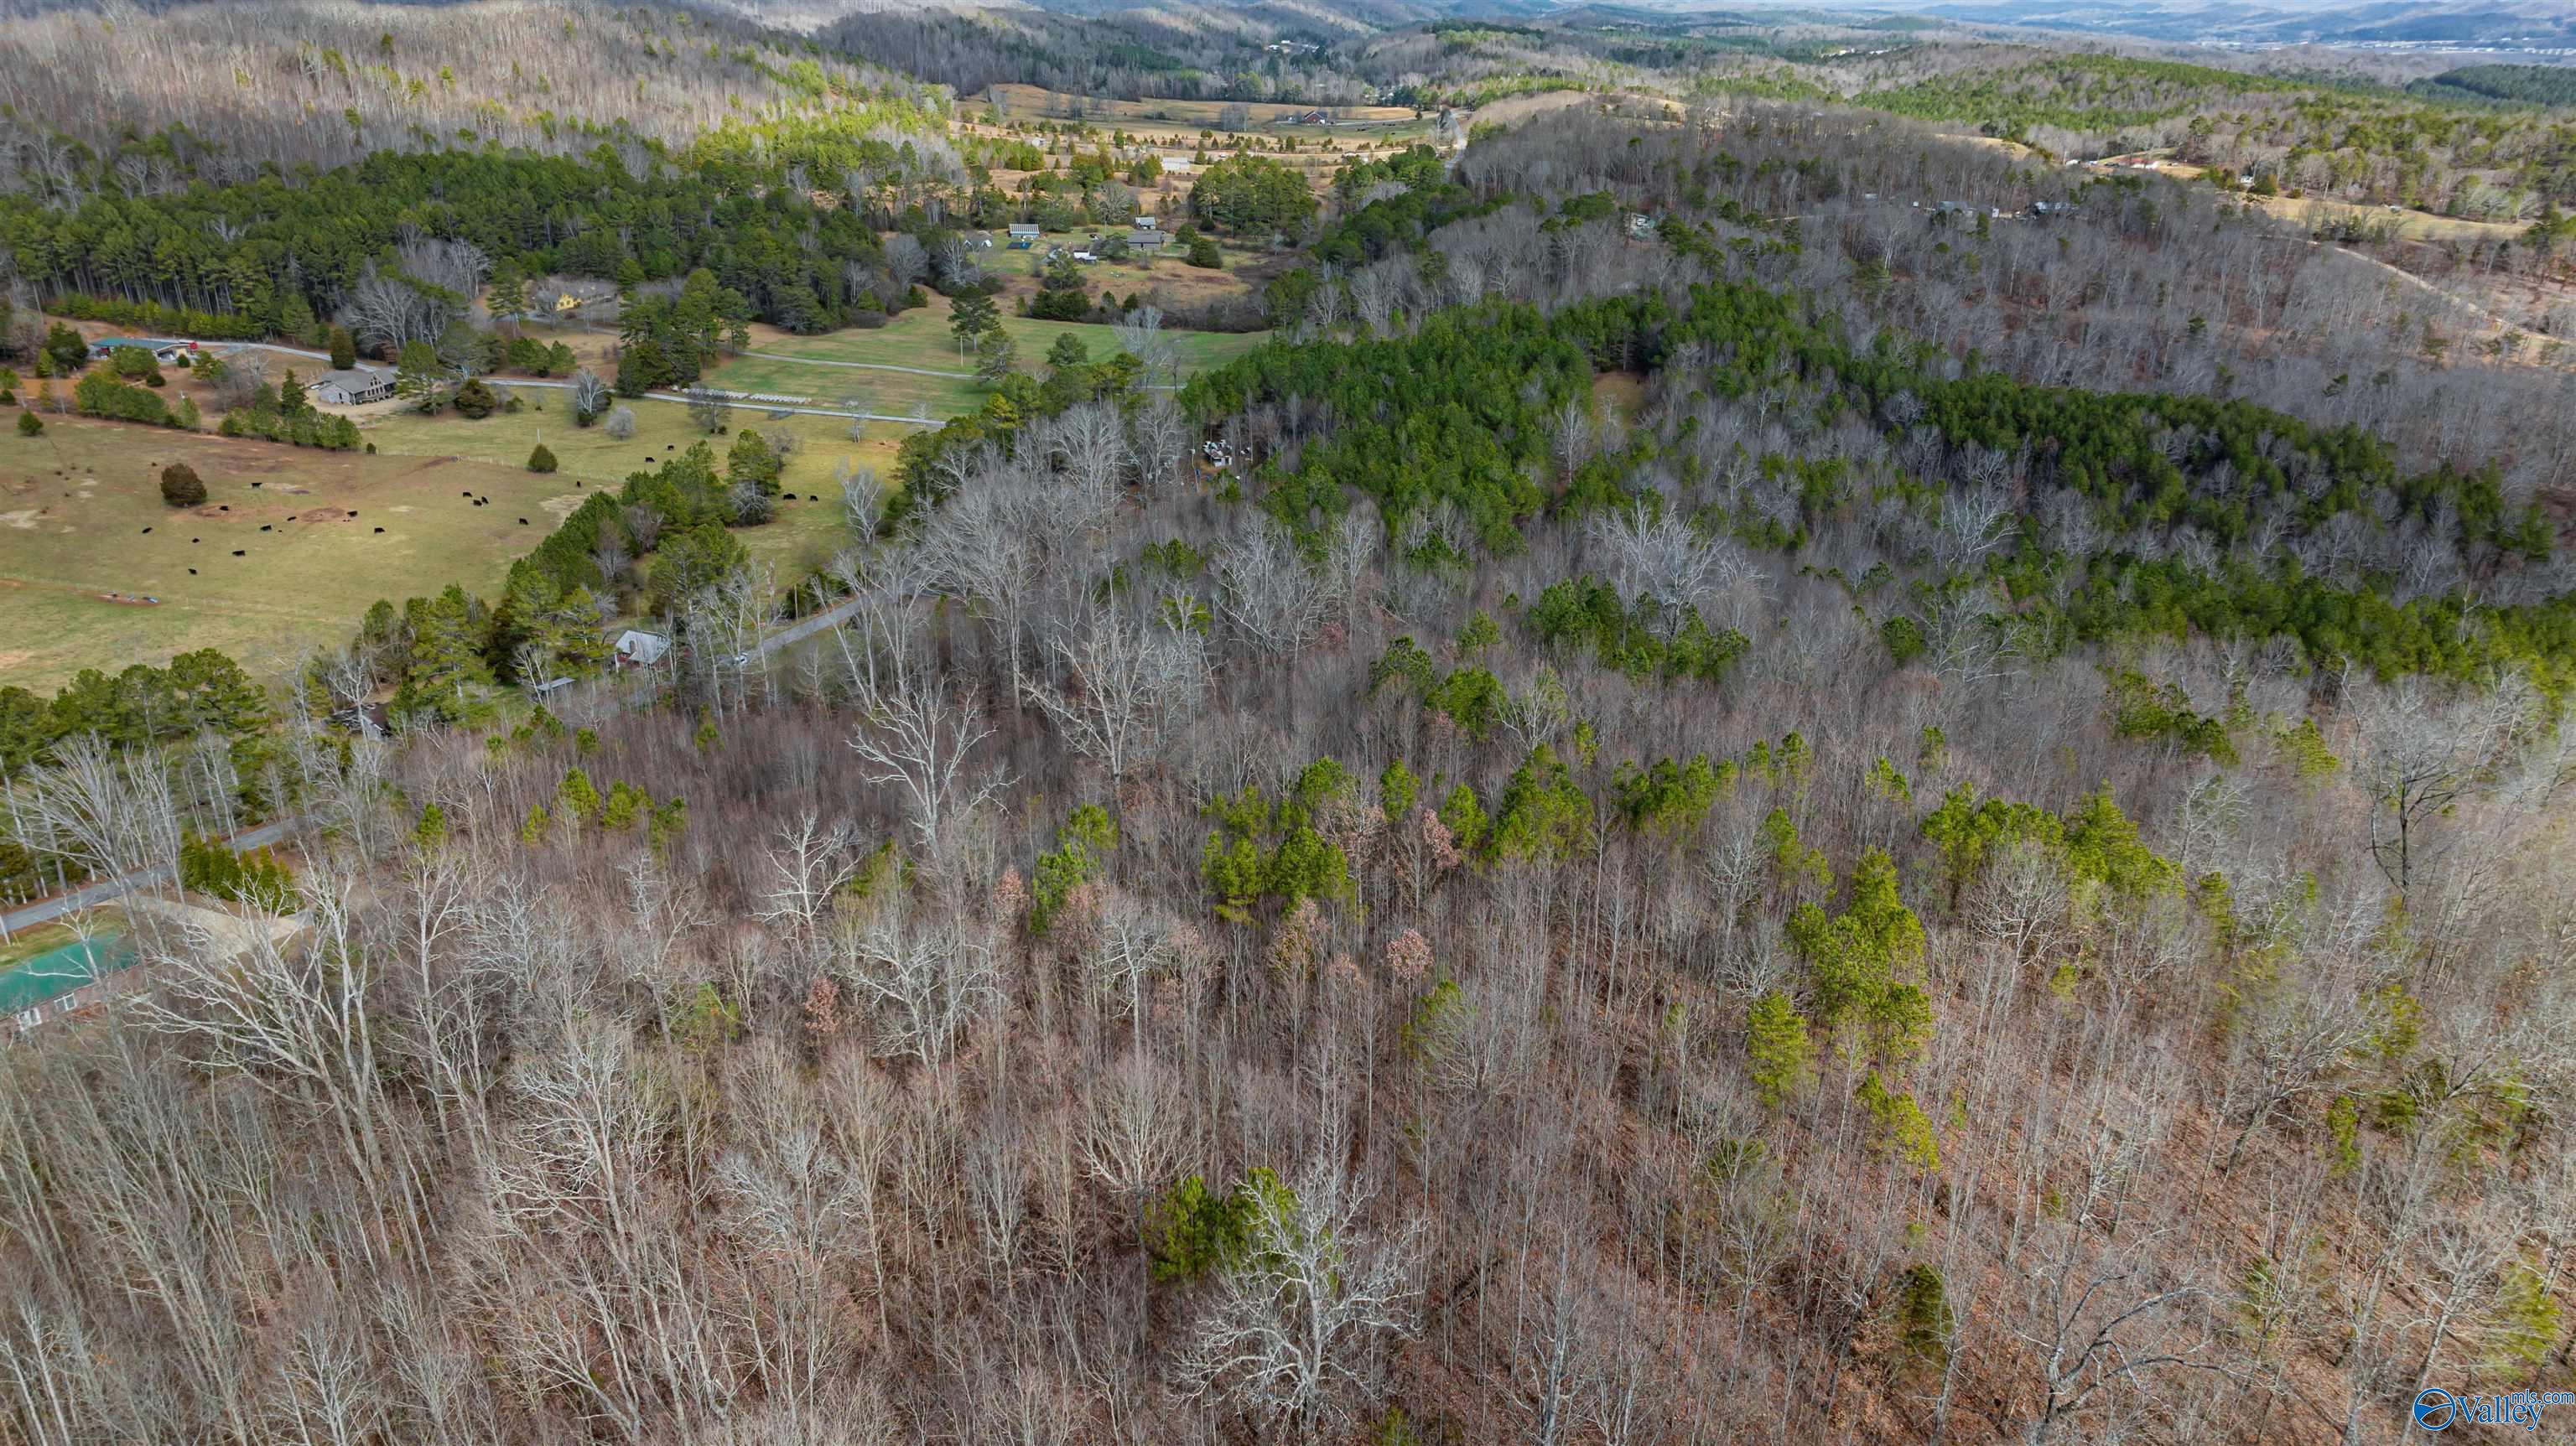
2313 211
26 944
803 365
76 562
590 457
780 372
74 504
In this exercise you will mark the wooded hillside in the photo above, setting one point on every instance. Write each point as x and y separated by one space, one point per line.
1710 801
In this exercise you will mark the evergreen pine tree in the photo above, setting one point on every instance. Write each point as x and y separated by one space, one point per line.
1777 1053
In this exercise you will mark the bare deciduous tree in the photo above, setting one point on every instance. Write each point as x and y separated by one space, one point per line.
922 740
112 812
987 545
1291 1331
1126 676
863 502
2419 757
1161 436
2104 1308
925 983
1662 559
1267 592
1140 334
1133 1127
807 866
386 311
589 394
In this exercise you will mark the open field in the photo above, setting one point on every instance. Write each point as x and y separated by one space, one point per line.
804 534
74 504
839 366
2315 211
588 455
1166 281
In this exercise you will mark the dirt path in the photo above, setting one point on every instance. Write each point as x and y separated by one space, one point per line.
2495 325
860 366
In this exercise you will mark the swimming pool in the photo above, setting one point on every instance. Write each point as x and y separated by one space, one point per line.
57 972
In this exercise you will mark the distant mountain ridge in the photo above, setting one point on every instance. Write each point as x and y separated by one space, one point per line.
2542 30
2475 24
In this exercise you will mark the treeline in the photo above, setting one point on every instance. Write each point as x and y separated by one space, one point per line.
1370 225
2155 286
2553 85
161 319
284 413
2078 92
277 252
250 876
930 465
1248 193
1451 414
197 693
2117 449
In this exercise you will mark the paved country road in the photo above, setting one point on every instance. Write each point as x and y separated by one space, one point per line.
508 382
90 895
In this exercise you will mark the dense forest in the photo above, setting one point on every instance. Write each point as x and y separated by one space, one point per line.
1711 800
2346 141
273 254
1234 55
2513 84
224 92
